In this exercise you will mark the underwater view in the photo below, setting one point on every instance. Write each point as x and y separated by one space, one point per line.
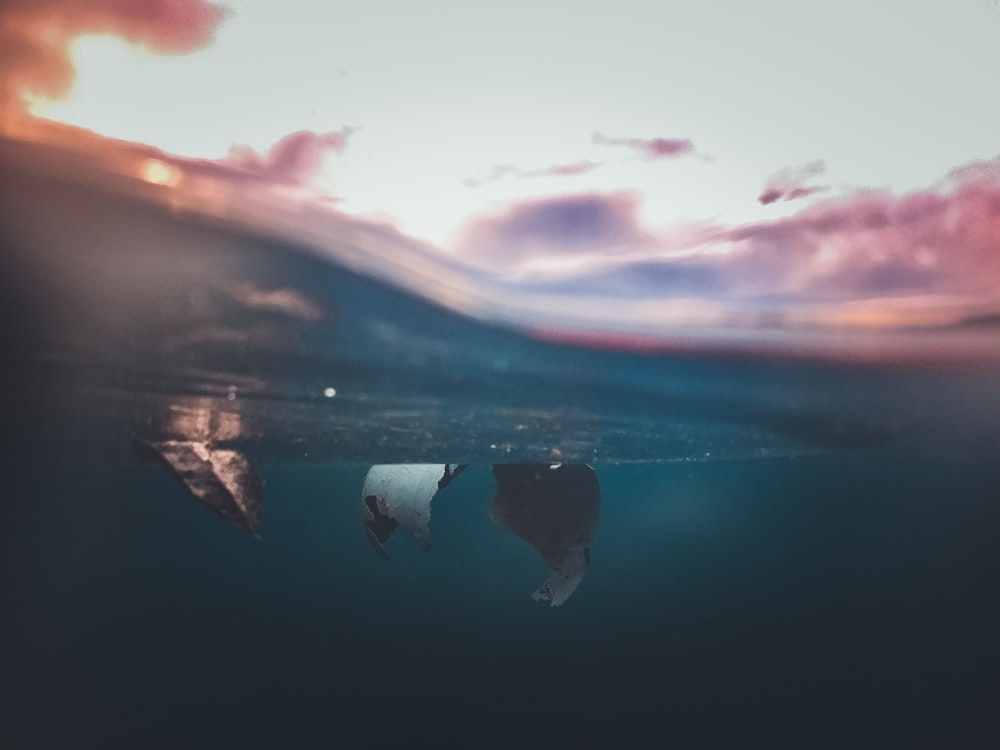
330 440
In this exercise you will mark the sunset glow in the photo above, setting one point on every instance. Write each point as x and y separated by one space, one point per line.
159 173
786 149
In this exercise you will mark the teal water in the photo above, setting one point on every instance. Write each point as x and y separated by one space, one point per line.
827 601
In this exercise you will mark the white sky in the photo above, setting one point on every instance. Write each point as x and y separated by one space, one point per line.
890 93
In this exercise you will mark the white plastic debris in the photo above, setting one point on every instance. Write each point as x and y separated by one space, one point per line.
399 495
555 508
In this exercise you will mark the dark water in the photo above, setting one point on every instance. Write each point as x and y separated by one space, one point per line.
791 552
830 601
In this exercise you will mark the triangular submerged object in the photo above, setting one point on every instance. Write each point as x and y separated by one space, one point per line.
223 479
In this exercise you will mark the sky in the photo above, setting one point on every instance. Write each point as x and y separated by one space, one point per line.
844 149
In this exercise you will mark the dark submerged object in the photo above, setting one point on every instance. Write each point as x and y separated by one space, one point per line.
223 479
379 526
554 507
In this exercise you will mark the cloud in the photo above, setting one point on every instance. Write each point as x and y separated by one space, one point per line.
649 148
294 160
790 183
497 172
868 244
35 36
502 171
566 170
886 256
567 224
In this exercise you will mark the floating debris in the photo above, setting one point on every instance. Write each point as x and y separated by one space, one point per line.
555 508
400 495
223 479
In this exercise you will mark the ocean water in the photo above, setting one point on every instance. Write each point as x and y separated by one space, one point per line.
792 550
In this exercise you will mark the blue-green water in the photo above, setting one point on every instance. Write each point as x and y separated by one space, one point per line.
792 550
822 601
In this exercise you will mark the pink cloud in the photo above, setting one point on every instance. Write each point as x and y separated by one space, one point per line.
567 170
790 183
35 36
873 244
291 162
649 148
567 224
294 160
940 247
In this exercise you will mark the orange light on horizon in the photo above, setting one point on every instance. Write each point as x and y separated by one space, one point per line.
157 172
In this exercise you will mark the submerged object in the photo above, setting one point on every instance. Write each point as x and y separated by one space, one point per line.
223 479
555 508
397 495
